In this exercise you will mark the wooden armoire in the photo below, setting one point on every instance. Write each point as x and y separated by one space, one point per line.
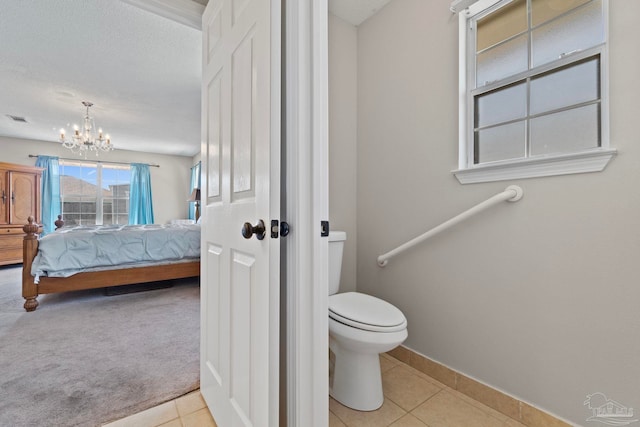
19 199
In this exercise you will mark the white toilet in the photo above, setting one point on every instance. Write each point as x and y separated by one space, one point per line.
360 328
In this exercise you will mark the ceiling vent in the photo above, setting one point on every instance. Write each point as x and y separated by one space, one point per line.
17 118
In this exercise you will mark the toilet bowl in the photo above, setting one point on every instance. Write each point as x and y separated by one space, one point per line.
360 328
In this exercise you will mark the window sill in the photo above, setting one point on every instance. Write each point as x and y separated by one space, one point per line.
591 161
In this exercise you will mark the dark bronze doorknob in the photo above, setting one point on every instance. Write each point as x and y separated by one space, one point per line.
249 230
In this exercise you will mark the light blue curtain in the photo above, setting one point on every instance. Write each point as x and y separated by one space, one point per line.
140 203
195 183
50 191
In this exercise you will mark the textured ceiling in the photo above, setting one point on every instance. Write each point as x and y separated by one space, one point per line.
142 71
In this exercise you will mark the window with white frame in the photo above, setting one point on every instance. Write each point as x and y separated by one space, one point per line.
533 98
94 193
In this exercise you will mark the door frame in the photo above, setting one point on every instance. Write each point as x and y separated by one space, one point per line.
306 195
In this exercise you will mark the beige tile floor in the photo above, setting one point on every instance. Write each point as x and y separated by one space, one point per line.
412 399
186 411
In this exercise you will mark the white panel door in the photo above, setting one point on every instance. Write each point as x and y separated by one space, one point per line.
241 183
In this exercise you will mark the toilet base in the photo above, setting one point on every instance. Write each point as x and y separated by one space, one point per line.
357 382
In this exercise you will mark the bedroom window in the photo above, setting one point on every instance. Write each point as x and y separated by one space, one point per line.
533 89
94 193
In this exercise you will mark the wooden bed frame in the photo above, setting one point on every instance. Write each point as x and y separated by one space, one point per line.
93 279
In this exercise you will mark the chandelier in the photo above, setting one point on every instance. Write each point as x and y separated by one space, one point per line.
86 139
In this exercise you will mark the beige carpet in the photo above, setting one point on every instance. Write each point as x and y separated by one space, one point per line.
83 359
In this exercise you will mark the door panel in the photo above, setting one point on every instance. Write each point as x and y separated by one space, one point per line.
214 120
240 278
241 351
242 99
213 342
239 7
22 196
213 32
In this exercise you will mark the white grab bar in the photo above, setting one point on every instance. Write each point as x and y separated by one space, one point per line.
512 193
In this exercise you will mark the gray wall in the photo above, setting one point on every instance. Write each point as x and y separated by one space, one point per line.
169 182
538 298
343 140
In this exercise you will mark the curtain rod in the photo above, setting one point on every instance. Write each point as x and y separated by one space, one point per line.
102 161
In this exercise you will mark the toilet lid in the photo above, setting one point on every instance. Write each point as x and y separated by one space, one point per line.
366 312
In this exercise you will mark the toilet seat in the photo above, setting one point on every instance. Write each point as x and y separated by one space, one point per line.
366 312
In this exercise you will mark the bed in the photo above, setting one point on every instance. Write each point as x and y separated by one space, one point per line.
56 262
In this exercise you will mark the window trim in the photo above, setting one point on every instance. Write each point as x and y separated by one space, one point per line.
594 160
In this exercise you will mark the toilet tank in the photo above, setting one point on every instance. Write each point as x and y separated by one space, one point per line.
336 247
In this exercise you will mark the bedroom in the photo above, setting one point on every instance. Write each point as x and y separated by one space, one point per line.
147 123
149 102
594 287
144 83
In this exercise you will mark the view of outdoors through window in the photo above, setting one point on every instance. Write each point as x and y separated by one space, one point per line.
94 193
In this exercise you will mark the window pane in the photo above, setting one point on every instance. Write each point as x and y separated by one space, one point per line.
579 30
88 207
111 219
78 180
78 190
568 86
116 179
71 219
121 206
501 105
502 24
544 10
502 61
500 143
112 207
83 171
566 132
